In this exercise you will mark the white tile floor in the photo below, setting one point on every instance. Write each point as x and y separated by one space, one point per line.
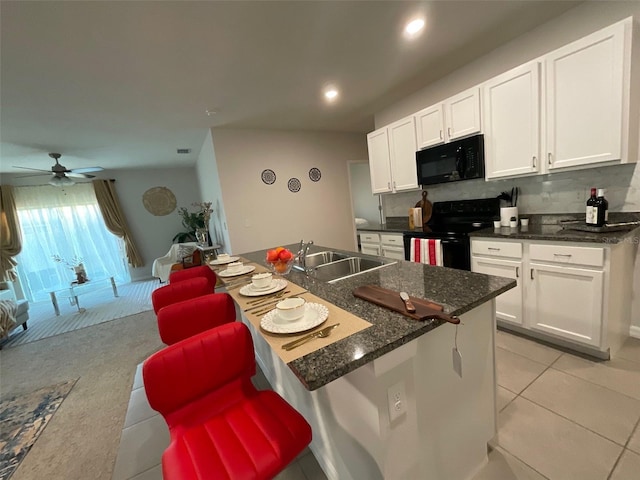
561 417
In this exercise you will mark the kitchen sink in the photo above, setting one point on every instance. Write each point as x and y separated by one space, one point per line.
316 259
346 267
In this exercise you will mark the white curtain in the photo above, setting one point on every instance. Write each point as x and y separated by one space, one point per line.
65 222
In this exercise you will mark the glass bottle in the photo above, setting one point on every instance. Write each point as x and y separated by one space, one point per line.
591 208
602 209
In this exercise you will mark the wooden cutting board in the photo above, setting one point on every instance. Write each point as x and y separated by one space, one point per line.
426 206
388 298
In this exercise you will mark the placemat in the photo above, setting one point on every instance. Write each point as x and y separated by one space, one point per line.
246 277
349 324
249 303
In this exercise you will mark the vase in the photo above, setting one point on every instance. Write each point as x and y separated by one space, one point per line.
81 274
202 237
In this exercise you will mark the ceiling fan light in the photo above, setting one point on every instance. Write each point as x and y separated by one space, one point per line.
61 181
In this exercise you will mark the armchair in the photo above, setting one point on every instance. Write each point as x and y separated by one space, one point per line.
182 254
221 427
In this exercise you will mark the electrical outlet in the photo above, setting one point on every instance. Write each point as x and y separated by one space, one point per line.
397 398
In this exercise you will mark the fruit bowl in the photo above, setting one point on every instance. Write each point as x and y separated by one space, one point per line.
280 260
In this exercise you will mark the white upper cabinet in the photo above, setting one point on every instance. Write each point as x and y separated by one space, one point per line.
511 121
462 114
379 161
392 157
456 117
587 99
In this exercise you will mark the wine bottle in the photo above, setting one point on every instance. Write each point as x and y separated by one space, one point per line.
591 208
602 209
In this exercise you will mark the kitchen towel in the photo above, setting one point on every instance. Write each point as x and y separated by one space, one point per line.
426 250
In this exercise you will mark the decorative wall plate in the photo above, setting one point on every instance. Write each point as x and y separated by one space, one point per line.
314 174
294 185
159 201
268 176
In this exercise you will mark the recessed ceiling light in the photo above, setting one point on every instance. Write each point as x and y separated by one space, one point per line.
331 93
414 27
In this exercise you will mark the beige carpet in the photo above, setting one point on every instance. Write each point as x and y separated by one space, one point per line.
99 306
81 440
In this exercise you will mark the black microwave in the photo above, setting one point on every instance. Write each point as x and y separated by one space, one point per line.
458 160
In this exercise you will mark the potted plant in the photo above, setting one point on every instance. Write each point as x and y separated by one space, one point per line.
194 222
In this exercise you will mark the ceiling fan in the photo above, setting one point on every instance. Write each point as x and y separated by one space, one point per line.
60 173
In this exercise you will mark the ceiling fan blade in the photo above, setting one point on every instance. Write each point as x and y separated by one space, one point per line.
86 170
29 168
32 175
79 175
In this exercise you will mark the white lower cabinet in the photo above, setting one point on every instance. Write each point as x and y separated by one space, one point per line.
574 295
388 245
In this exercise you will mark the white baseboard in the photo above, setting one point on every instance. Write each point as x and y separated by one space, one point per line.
634 331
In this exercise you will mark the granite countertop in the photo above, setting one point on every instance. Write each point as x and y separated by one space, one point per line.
547 227
458 291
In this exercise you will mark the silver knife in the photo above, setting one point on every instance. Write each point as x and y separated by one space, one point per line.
319 334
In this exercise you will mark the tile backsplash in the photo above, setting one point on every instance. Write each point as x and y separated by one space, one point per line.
554 193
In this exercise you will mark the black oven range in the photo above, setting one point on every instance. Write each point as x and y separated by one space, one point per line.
451 222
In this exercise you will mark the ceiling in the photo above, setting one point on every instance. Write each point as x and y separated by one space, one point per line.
124 84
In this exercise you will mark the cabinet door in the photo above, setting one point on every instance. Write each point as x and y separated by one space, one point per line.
430 126
566 302
370 249
511 113
402 148
584 105
379 161
397 253
462 114
509 303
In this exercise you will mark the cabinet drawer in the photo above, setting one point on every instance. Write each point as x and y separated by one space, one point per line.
568 255
370 237
392 240
496 249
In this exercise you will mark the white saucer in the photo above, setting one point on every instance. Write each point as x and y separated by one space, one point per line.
314 315
218 261
242 271
277 284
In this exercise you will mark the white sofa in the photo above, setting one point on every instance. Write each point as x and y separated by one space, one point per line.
162 266
22 313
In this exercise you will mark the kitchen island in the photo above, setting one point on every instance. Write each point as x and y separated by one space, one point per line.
389 401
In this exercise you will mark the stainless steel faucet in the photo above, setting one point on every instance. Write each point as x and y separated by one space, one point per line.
302 253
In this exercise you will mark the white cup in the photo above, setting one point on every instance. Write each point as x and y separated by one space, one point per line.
235 267
261 281
291 309
496 224
524 222
513 224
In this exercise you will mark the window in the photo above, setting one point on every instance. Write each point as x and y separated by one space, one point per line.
65 222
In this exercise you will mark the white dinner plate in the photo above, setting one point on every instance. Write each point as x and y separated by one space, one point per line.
218 261
314 315
242 271
277 284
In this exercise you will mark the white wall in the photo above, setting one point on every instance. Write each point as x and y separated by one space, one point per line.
365 203
555 193
209 181
262 216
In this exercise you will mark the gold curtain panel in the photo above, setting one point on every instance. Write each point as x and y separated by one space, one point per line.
159 201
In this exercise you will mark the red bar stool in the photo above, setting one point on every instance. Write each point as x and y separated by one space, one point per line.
221 427
184 319
179 291
201 271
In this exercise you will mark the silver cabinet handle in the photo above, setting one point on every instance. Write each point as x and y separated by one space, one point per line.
394 185
532 274
441 136
534 161
517 272
449 131
493 248
389 185
567 255
549 157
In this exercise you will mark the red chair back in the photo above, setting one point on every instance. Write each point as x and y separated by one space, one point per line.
173 293
184 319
201 271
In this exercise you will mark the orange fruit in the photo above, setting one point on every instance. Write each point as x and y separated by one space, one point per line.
281 267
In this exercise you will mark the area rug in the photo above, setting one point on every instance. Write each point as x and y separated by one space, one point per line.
100 306
23 419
